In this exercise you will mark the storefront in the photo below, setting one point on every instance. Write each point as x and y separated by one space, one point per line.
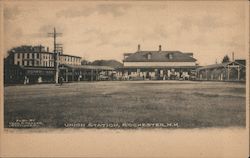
27 75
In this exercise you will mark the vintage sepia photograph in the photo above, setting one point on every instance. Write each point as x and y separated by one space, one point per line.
125 66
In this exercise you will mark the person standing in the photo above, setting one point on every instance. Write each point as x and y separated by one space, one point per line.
61 80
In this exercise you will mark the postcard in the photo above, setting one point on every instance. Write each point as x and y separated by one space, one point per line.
125 78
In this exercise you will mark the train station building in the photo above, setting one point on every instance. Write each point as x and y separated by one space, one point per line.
157 64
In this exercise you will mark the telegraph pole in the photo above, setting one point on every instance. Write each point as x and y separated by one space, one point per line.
57 48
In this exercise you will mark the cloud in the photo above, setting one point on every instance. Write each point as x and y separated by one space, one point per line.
11 13
114 9
160 32
75 12
101 9
18 33
46 28
122 43
100 37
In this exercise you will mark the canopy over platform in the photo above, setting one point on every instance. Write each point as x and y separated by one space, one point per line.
158 67
221 65
85 72
87 67
228 71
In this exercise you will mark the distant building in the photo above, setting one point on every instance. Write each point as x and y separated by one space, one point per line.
30 64
228 71
157 64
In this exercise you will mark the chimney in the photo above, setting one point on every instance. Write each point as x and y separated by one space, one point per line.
232 56
47 49
139 48
159 48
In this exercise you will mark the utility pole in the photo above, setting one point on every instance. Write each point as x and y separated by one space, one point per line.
232 56
57 50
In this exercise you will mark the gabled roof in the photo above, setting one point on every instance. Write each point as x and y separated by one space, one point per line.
159 56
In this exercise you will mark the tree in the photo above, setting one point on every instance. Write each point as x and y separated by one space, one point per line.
85 62
225 59
110 63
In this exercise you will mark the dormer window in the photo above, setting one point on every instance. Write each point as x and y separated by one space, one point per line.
170 56
149 56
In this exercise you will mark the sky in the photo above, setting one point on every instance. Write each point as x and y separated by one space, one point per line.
107 29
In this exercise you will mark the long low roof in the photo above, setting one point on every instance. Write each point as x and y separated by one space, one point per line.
220 65
37 68
157 67
88 67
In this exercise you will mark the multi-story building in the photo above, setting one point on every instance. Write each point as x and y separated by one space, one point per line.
34 64
39 57
33 58
70 59
157 64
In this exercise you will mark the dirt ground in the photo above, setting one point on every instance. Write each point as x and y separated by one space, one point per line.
189 104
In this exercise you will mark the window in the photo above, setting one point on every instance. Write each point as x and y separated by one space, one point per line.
33 55
18 55
149 56
23 55
37 55
22 62
18 62
28 55
170 56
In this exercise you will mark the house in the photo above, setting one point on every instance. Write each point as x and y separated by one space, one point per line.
156 64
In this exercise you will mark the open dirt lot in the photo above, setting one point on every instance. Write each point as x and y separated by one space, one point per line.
190 104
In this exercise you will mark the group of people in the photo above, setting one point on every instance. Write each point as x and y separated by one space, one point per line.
26 80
